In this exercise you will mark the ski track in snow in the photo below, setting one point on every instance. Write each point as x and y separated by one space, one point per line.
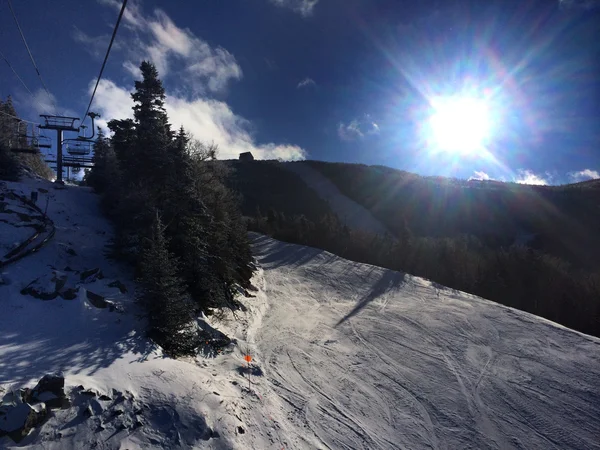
363 357
351 213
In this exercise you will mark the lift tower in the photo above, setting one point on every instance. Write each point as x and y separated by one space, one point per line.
60 124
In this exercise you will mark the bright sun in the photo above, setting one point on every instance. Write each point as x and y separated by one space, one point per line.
459 124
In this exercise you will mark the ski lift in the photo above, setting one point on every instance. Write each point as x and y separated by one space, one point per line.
44 142
78 147
24 142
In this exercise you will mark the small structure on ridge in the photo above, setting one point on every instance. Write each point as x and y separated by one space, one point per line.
246 156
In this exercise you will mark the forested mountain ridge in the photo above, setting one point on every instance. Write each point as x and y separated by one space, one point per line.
560 220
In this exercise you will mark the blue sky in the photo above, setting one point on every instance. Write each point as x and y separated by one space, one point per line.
334 80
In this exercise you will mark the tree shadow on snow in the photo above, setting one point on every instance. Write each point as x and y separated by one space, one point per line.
284 255
389 280
50 337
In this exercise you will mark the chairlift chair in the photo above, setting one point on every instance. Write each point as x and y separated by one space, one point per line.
24 142
78 147
44 142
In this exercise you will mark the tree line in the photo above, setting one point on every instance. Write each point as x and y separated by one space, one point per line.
174 218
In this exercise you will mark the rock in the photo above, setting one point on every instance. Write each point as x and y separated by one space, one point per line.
105 398
19 421
71 252
97 300
46 287
96 406
50 383
120 285
87 412
50 390
89 276
69 294
241 430
88 393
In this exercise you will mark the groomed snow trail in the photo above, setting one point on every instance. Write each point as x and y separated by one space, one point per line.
360 357
351 213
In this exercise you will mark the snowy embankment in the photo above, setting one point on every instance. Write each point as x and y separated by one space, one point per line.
345 355
351 213
362 357
78 318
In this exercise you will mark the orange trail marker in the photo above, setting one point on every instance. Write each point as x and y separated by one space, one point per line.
248 358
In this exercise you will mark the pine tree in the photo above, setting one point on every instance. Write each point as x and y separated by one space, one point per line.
9 167
154 135
104 159
163 296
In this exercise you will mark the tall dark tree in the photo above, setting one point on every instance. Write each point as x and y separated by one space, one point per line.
163 296
104 172
154 135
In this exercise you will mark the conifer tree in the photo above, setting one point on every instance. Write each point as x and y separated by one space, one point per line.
163 296
154 135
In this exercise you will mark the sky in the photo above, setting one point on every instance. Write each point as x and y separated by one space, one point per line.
333 80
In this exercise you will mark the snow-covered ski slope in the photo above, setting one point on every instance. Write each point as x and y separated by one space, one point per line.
351 213
366 358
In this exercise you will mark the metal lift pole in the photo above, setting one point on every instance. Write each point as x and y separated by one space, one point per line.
60 124
59 156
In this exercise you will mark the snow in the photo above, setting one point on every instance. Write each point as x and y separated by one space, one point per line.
344 355
362 357
351 213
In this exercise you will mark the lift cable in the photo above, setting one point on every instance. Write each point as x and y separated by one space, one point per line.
15 72
105 59
20 79
18 118
30 55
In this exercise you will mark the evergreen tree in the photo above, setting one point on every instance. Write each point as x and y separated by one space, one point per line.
204 248
154 135
13 134
123 141
163 296
105 161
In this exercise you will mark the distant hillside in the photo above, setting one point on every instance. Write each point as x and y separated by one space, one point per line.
560 220
267 185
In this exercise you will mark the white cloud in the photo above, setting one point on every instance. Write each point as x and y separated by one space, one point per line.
303 7
31 107
207 119
480 175
357 129
350 132
307 82
94 45
529 177
176 52
199 69
583 175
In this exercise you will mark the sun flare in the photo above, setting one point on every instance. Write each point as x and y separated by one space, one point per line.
459 124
